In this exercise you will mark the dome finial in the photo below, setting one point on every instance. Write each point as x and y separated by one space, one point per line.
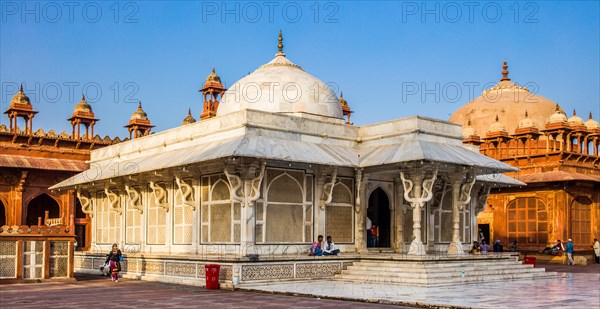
469 122
140 104
590 114
280 45
497 119
21 88
574 112
82 97
557 108
526 114
213 69
505 72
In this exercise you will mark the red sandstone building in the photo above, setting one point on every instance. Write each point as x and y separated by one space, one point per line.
558 160
31 161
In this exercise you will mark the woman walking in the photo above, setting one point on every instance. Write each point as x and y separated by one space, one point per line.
115 257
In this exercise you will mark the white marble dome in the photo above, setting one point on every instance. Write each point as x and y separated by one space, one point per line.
281 87
575 120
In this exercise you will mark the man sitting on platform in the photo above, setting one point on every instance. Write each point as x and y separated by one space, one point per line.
316 247
330 247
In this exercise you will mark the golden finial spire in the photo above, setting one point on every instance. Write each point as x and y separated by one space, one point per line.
557 108
469 122
497 119
189 111
280 45
526 114
140 104
213 69
505 72
82 97
574 112
21 88
590 114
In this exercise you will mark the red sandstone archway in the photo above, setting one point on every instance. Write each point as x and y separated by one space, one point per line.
38 206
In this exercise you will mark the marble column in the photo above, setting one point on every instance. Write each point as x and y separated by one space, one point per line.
417 191
360 211
399 216
461 183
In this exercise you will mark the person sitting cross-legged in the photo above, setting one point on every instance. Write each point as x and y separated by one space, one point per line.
329 248
316 249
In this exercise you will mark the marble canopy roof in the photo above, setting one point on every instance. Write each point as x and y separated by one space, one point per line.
298 138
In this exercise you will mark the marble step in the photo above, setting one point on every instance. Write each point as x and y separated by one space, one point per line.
421 269
448 280
417 266
442 274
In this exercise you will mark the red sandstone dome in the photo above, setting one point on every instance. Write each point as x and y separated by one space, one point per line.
509 102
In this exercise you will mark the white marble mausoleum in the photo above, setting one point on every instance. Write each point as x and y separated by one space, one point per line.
276 167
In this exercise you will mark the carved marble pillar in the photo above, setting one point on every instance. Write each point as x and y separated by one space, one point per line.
461 183
399 216
361 211
417 191
245 189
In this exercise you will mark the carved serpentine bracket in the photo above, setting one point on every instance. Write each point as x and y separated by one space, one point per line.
250 192
87 204
482 196
134 198
424 192
160 195
465 191
186 192
328 190
113 200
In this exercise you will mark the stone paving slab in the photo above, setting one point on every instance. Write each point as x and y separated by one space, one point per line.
99 292
579 289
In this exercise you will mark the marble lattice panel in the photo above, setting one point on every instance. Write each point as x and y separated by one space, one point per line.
271 271
181 269
316 270
153 267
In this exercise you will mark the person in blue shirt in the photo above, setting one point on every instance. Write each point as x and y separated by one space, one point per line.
569 251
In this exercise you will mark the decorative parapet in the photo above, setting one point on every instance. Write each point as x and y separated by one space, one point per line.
35 230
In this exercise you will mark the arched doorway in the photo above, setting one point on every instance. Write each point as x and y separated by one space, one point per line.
379 213
38 206
2 214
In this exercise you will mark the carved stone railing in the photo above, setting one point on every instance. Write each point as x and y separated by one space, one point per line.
36 252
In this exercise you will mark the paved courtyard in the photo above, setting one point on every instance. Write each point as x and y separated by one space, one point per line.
576 287
99 292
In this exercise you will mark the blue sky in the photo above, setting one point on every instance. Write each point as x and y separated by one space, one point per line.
160 53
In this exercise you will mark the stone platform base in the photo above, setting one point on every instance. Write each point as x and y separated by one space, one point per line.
189 270
372 267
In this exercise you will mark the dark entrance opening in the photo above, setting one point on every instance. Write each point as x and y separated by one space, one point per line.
80 226
2 214
38 206
379 213
483 233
